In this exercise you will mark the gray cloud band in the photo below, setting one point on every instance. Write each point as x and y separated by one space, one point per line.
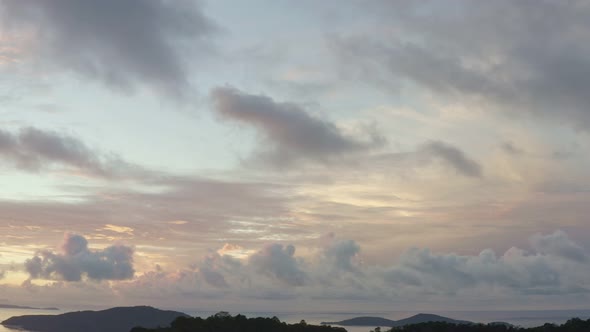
521 57
121 43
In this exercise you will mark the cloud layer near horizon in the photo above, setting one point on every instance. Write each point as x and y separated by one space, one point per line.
555 265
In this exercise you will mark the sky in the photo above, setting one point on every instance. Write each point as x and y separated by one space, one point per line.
295 155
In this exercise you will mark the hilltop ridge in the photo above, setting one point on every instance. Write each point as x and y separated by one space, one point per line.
118 319
380 321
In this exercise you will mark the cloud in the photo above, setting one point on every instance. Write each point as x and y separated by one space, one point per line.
213 266
453 156
419 267
340 254
275 273
290 133
559 244
77 261
278 262
512 149
121 43
207 207
33 149
556 265
426 153
502 54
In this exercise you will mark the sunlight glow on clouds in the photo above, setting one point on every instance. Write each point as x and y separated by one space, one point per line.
554 266
204 153
77 261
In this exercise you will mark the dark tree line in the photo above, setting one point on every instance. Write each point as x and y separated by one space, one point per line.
223 322
572 325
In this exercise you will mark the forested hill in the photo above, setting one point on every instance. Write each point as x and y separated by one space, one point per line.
223 322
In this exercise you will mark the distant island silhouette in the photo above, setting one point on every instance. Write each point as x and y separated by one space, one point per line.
379 321
120 319
13 306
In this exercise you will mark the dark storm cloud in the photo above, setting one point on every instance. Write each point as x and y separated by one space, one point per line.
76 261
290 132
519 56
122 43
33 149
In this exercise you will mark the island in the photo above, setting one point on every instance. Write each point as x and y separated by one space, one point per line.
12 306
379 321
119 319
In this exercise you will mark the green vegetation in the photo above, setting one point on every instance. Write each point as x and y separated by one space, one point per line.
223 322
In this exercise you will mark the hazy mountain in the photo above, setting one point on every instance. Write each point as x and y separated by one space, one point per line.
121 319
423 318
379 321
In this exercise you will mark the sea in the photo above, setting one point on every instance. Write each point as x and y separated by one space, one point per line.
529 318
